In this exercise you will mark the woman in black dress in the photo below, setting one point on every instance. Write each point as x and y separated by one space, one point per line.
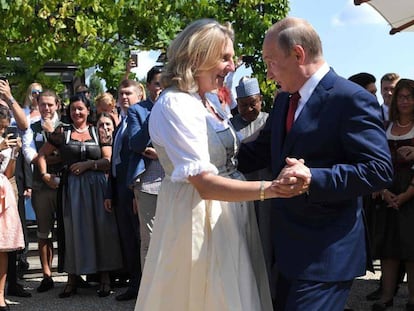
395 218
91 236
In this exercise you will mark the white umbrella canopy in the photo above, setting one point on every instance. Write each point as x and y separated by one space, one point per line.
398 13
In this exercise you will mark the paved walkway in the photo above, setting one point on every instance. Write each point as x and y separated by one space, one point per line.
84 300
87 300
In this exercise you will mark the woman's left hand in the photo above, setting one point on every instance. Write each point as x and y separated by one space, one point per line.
398 200
79 167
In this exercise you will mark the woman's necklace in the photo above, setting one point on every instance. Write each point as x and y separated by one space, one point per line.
80 130
405 125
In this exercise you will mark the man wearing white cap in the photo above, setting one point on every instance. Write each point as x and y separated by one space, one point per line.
250 119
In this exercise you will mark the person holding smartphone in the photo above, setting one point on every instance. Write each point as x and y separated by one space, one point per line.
11 233
19 119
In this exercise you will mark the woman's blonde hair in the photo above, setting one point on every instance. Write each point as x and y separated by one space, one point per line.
197 48
28 99
105 99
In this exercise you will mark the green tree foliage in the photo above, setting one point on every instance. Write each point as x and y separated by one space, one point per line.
95 86
101 32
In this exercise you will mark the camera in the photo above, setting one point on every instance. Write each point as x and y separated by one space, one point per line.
3 78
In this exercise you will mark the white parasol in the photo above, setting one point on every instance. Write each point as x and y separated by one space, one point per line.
398 13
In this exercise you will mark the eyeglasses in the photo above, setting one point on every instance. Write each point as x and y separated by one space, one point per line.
408 97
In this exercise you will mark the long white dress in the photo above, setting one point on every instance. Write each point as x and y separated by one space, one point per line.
204 255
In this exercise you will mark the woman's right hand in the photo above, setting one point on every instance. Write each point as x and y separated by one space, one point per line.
8 142
391 199
105 137
406 153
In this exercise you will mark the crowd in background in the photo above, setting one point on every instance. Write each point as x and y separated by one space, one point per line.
93 180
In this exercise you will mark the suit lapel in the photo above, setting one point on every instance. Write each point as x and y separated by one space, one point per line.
309 116
279 113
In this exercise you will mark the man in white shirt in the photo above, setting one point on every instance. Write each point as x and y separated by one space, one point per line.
388 82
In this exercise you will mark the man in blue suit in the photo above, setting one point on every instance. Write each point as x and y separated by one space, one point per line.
145 172
334 153
120 196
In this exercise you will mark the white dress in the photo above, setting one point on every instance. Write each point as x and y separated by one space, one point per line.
204 255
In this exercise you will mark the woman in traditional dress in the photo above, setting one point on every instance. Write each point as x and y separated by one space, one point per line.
91 236
394 230
205 252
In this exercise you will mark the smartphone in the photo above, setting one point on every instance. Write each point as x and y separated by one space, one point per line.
12 130
248 59
134 56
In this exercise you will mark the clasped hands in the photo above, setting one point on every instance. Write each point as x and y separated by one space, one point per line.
293 180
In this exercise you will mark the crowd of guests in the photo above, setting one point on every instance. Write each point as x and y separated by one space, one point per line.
68 159
172 148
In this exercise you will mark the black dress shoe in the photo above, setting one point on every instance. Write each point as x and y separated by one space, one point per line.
5 308
375 295
104 290
46 284
81 283
69 290
18 291
382 306
128 295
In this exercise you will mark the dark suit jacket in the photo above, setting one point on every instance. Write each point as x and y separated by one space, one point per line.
320 236
118 189
139 138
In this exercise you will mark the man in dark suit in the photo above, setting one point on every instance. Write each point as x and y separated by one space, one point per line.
334 153
120 196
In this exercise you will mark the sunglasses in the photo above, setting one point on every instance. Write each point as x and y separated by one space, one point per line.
36 92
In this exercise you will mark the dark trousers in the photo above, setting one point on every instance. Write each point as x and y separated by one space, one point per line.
299 295
22 255
12 269
128 226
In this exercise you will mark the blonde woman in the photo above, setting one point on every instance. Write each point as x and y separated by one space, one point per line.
205 252
30 101
105 102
